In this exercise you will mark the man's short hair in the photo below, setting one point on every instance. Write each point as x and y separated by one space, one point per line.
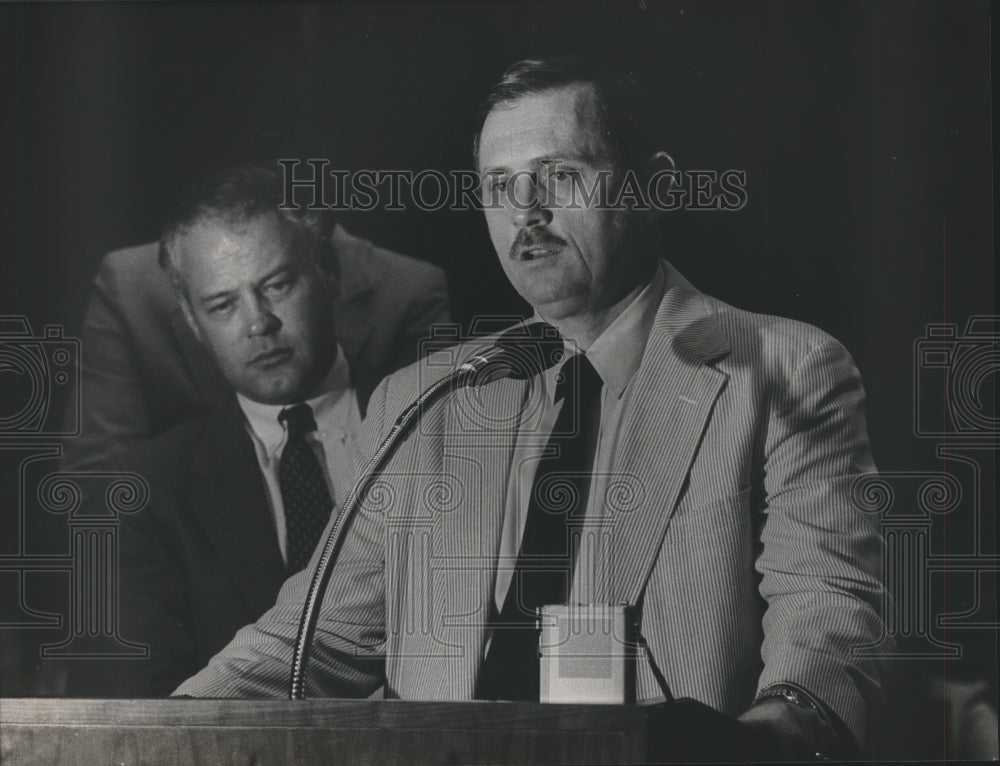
623 104
239 194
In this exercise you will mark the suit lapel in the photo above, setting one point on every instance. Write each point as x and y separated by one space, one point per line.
227 494
673 397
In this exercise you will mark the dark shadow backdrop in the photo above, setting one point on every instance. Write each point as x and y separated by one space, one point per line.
864 129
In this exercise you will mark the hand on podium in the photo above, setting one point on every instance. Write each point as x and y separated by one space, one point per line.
772 730
791 732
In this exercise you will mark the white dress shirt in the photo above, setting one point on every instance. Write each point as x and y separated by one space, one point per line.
338 418
615 355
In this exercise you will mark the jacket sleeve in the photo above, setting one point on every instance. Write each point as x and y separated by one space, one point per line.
153 609
113 409
821 555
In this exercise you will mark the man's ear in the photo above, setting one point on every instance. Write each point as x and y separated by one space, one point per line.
658 162
659 177
189 316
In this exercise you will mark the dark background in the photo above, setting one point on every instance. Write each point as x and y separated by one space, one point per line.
864 129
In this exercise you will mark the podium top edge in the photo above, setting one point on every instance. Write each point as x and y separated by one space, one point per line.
321 713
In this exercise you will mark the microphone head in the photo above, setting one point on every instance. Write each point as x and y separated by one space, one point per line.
521 353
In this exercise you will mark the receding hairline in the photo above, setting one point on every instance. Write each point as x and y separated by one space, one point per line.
623 103
582 87
235 221
579 86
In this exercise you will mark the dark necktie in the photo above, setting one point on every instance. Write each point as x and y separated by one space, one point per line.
544 570
304 492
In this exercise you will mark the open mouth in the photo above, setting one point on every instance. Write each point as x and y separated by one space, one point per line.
535 245
536 253
271 358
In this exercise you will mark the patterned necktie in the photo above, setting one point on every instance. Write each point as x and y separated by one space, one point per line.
304 492
544 570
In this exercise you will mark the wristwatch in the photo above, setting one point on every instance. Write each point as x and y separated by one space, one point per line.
802 699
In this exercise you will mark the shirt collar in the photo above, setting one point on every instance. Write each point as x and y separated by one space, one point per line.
263 418
617 352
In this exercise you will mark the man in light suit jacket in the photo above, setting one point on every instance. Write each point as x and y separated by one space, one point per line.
143 371
252 288
727 451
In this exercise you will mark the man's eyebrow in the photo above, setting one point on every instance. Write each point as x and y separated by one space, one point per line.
212 297
276 272
566 157
547 159
492 169
285 267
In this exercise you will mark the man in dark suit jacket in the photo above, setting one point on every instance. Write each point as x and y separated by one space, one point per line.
143 371
250 312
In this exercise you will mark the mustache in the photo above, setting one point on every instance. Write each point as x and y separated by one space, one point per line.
535 238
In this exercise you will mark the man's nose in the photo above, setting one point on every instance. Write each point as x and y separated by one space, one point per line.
260 320
529 205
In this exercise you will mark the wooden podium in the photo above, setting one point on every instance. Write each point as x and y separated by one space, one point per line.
177 732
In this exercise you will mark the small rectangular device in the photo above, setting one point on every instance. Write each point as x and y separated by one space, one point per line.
587 654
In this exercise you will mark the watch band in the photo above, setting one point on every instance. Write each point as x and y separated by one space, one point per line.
800 698
794 695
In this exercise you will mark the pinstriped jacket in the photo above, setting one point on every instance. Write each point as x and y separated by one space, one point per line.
732 529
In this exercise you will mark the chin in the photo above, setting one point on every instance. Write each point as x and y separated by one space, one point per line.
556 308
282 392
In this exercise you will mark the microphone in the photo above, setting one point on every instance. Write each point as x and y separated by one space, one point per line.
521 352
